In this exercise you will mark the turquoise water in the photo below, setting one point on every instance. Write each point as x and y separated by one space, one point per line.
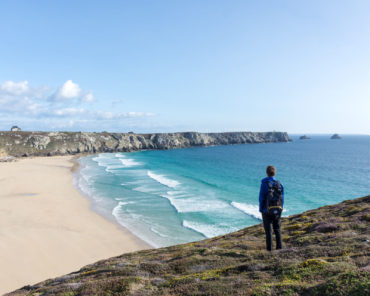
176 196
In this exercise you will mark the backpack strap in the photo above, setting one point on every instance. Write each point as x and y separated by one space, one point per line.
278 185
273 183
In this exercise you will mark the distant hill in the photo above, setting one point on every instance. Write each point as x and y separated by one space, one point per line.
326 252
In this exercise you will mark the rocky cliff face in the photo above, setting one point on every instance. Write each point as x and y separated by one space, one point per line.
59 143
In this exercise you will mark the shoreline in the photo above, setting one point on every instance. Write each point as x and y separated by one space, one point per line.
108 217
47 227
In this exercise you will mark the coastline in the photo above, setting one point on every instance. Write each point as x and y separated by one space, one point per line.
47 227
76 166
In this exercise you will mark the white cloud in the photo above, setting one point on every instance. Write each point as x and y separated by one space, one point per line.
140 114
69 90
14 88
88 97
69 111
104 115
43 106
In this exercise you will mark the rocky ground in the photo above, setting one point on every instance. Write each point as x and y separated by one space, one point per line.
326 252
20 144
4 157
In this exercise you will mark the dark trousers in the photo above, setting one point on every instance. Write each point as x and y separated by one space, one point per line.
275 221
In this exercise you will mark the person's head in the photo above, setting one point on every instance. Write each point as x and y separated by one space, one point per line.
271 171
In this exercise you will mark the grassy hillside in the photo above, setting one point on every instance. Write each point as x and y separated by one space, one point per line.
326 252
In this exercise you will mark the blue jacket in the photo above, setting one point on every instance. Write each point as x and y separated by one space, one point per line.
264 189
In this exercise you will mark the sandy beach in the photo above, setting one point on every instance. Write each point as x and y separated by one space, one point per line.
47 228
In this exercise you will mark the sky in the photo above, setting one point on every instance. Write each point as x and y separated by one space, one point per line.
190 65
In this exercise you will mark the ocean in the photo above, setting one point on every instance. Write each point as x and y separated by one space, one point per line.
183 195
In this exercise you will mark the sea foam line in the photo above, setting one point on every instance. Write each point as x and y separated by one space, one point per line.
206 230
157 232
117 209
194 204
128 162
250 210
163 180
118 212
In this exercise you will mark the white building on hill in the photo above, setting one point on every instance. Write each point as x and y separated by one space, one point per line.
15 128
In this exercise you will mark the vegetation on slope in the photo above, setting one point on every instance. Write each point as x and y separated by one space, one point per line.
326 252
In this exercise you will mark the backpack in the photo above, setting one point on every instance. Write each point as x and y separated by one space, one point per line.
274 199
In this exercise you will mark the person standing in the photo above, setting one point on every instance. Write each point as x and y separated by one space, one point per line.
271 202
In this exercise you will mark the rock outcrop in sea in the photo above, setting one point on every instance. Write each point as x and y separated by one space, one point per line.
304 137
335 137
326 252
23 143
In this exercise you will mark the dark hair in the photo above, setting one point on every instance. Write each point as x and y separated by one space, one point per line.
271 171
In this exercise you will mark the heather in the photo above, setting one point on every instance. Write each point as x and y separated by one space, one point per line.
326 252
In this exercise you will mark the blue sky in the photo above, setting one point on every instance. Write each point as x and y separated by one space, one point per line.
160 66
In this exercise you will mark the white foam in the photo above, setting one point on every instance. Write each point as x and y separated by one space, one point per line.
114 167
163 180
144 189
129 162
173 203
83 181
117 209
250 210
157 232
121 199
100 157
98 160
107 161
83 174
118 213
186 204
207 230
113 163
177 193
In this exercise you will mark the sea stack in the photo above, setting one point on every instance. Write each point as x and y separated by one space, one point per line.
304 137
335 137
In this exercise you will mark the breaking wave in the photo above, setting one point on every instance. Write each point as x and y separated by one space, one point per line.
163 180
251 210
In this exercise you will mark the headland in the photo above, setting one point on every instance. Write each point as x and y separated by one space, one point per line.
23 143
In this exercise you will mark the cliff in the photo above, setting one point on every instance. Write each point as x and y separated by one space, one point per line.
22 143
326 252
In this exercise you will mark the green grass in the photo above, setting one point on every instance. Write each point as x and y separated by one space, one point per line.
326 252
